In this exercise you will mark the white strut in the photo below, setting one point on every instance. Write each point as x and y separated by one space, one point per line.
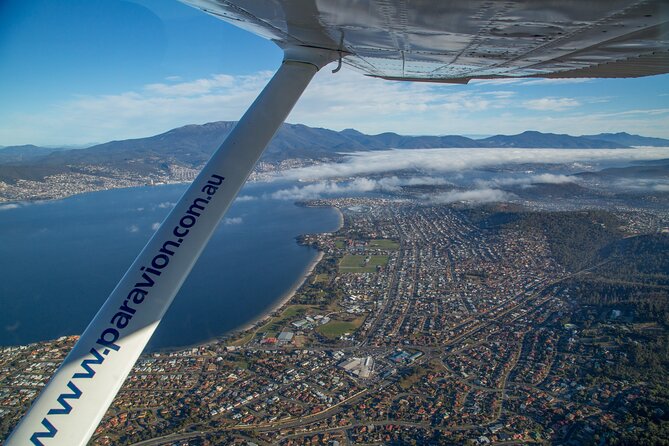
70 407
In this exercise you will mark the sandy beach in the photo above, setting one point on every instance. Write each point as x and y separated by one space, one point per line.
284 299
280 303
341 218
257 322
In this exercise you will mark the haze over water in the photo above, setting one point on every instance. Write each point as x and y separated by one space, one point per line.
61 259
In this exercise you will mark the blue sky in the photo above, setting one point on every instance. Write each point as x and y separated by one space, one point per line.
78 72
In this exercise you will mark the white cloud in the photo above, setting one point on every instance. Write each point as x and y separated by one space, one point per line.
414 181
13 327
22 204
358 185
545 178
640 112
454 160
556 81
339 101
472 196
243 198
166 205
194 88
319 189
551 104
642 184
346 99
153 109
501 94
155 226
233 221
133 228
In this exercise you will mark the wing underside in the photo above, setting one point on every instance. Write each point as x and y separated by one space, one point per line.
459 40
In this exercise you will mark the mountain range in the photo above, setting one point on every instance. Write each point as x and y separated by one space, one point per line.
192 145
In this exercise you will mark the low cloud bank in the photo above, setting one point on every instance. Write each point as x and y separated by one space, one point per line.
7 207
551 104
453 160
317 190
544 178
233 221
642 184
472 196
359 185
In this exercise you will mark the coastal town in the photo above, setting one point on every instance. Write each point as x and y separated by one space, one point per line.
84 178
417 326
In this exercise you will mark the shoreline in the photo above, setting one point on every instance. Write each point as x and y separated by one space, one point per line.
94 189
283 301
341 217
38 199
287 296
254 323
280 303
257 321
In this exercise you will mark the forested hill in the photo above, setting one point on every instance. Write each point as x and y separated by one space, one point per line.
577 239
192 145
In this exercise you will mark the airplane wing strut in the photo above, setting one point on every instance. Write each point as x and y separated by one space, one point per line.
69 408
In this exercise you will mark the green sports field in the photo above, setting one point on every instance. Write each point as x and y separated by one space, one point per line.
361 263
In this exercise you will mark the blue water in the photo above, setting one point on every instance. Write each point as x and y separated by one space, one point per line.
59 261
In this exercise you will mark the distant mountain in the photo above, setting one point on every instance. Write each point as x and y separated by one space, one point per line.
538 140
629 140
13 154
192 145
389 140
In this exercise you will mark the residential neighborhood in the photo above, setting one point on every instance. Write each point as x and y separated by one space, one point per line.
416 326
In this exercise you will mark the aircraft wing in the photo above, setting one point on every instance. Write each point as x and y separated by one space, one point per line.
458 40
